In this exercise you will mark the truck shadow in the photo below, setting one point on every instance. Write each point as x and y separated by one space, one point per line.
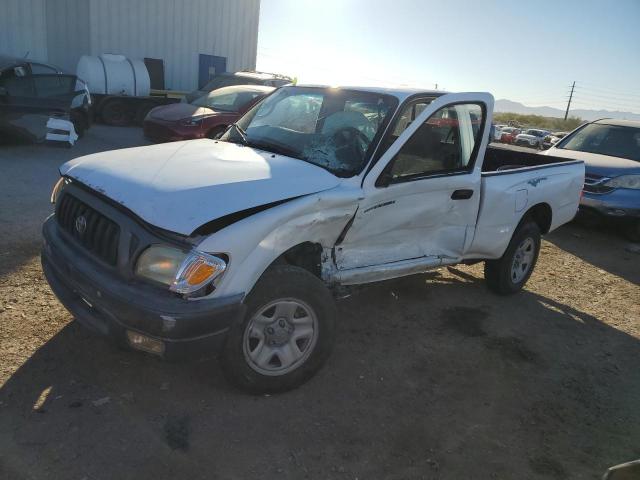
605 248
431 375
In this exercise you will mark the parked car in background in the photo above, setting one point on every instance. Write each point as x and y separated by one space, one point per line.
553 138
531 137
32 94
497 134
610 150
233 246
206 116
509 134
228 79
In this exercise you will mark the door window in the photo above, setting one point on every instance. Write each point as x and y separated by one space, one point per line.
18 86
410 113
39 68
443 143
48 86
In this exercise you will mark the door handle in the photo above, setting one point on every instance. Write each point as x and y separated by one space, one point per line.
464 194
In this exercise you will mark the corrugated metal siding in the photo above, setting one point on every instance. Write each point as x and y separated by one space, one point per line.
23 28
67 32
177 31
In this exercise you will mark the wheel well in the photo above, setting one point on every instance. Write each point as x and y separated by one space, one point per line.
305 255
542 215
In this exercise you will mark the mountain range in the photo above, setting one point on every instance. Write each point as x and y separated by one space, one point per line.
504 105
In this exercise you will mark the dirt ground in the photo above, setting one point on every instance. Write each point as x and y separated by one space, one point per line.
432 377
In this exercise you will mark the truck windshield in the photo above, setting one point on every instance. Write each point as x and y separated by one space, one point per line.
335 129
612 140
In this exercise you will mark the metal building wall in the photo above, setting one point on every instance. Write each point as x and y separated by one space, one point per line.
23 28
67 32
177 31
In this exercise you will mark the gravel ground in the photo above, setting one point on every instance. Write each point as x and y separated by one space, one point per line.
433 377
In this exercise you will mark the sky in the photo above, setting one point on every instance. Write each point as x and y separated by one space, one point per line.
529 52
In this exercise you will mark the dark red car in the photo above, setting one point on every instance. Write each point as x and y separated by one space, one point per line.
206 116
509 134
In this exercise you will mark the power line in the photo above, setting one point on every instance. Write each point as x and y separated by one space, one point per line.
609 90
606 100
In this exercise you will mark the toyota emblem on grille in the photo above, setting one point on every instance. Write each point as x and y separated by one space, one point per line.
81 224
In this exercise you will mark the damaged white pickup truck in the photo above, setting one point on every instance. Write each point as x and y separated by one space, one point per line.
233 246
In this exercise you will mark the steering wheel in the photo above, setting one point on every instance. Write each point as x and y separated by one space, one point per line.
350 140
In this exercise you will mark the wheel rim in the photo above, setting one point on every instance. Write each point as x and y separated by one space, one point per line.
522 260
280 336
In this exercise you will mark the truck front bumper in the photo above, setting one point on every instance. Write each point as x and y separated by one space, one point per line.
122 311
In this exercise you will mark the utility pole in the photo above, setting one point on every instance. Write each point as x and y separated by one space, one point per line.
566 114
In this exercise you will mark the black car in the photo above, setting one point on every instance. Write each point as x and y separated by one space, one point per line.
31 94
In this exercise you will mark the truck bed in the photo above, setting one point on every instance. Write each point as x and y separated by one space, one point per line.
502 159
513 182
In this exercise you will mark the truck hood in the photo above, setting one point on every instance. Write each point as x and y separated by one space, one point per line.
182 185
597 164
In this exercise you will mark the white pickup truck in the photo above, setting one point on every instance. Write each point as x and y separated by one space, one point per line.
234 246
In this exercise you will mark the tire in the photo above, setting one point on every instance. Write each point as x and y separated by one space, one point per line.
216 132
117 113
289 301
502 275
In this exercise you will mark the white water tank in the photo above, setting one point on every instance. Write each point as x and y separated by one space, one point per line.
114 75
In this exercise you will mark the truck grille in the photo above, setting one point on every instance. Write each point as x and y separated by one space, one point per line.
594 184
91 229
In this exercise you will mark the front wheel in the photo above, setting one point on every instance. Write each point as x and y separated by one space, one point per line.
508 274
287 333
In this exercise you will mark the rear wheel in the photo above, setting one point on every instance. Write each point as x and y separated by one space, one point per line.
287 333
509 273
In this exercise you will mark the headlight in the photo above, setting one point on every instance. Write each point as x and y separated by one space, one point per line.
183 272
57 188
625 181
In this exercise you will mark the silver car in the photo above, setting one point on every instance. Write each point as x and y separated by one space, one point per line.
531 138
610 150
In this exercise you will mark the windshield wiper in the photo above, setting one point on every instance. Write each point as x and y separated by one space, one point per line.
277 149
241 133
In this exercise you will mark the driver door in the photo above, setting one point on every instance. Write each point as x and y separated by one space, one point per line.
421 198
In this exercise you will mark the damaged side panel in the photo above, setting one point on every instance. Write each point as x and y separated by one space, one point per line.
317 219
